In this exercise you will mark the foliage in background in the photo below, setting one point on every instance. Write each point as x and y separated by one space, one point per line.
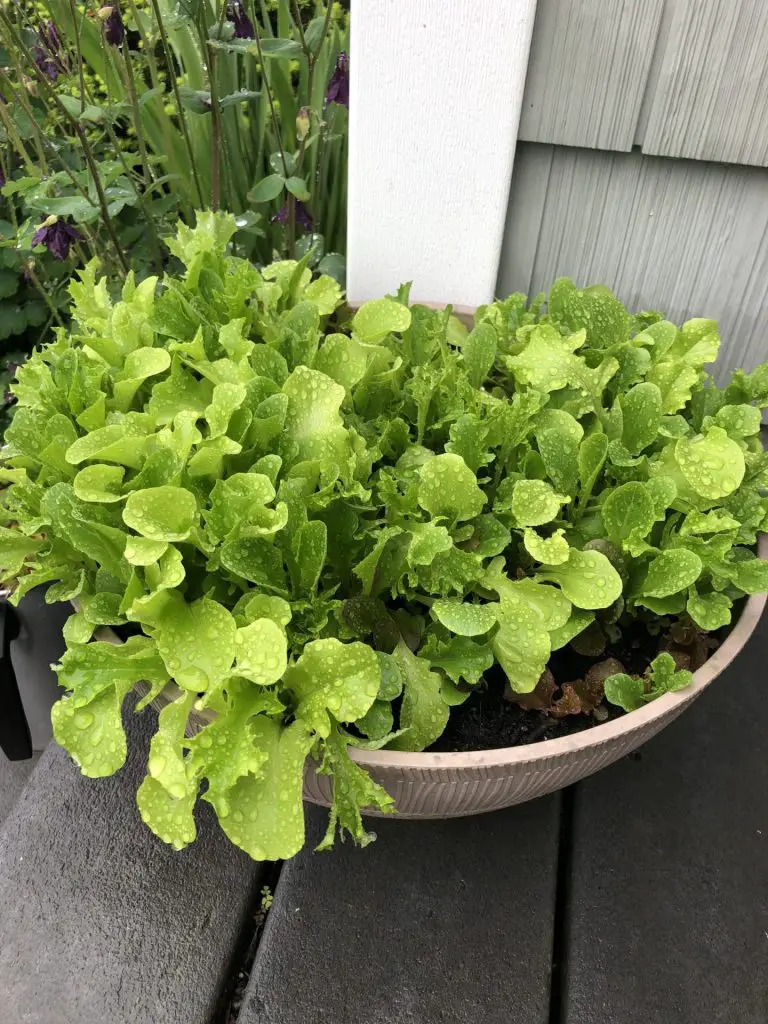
117 120
329 529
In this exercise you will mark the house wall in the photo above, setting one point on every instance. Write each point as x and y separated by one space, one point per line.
642 160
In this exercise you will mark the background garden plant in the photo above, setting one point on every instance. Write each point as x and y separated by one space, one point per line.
328 529
117 120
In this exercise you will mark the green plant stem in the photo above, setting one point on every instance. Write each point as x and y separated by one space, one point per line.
140 196
43 293
4 167
80 65
310 55
270 100
177 97
130 82
16 142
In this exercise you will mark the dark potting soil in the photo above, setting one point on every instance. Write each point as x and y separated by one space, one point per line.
487 720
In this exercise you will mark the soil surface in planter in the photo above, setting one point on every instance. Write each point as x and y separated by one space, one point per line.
487 720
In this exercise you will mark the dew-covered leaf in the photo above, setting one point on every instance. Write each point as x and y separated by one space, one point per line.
196 641
712 463
628 512
376 319
263 813
641 406
99 483
709 611
333 679
449 489
465 618
479 353
552 550
353 791
535 502
261 652
161 513
671 571
587 579
424 712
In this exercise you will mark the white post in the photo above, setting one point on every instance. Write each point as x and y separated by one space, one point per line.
436 90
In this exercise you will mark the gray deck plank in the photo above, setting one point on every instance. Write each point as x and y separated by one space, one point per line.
668 909
437 921
100 923
13 778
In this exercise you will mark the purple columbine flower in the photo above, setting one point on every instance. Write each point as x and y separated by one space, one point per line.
114 30
338 87
56 236
303 218
49 53
236 13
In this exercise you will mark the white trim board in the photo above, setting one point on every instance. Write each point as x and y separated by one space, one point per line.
436 91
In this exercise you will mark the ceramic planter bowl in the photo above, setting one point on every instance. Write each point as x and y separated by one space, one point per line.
450 785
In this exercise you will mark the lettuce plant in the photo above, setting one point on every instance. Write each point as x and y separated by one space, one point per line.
318 530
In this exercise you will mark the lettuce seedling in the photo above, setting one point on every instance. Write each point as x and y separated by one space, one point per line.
324 529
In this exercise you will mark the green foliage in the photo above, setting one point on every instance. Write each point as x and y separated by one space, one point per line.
328 530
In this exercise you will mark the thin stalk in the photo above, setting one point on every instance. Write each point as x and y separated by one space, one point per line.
80 64
130 82
140 196
92 167
311 55
30 271
21 96
16 142
275 122
177 97
5 168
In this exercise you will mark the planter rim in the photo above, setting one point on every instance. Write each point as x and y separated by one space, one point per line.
624 725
